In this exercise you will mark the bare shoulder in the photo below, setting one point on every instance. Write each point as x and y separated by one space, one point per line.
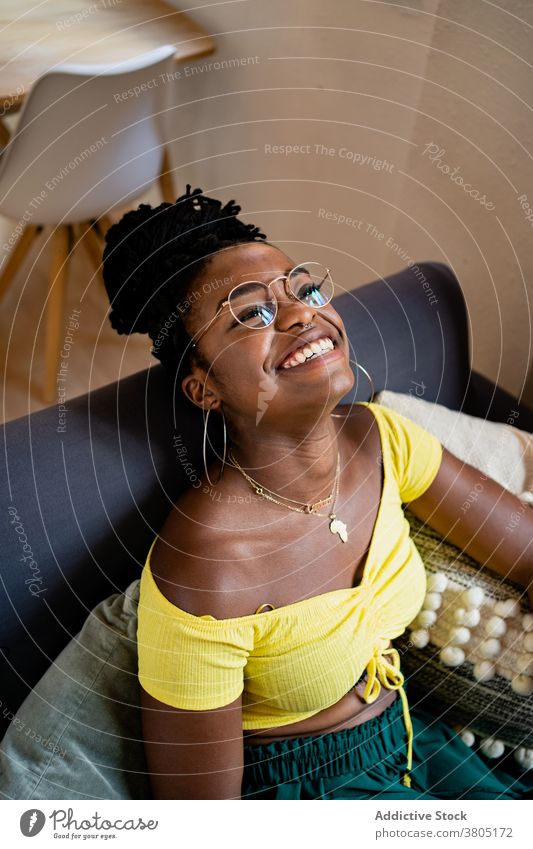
202 554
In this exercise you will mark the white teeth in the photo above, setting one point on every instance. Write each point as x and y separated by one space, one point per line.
310 350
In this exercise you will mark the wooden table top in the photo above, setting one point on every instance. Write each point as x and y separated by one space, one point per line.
36 36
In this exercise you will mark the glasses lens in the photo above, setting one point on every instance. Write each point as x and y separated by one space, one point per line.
311 283
252 304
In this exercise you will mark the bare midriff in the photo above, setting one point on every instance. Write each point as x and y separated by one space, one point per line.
349 711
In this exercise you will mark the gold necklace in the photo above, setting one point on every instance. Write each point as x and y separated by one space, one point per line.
336 526
304 508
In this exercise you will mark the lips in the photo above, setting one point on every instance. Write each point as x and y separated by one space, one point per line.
309 351
306 347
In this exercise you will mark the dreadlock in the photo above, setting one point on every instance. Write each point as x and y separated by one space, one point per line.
151 259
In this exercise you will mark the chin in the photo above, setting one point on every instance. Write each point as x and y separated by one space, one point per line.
321 388
338 388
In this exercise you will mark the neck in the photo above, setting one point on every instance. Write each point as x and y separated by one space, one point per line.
299 464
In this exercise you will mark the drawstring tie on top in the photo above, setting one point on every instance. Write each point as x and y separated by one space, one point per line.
382 671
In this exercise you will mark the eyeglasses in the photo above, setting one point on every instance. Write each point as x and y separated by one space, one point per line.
255 307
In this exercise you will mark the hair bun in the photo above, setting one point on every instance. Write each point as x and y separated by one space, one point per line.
153 254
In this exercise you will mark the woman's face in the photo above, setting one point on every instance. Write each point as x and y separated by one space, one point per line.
247 375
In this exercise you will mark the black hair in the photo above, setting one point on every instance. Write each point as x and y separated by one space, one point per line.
151 259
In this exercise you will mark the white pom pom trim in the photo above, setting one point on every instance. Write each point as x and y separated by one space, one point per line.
452 656
522 684
483 671
508 607
467 737
437 582
495 627
459 615
459 636
524 664
524 757
426 618
473 597
527 622
528 642
505 672
472 617
490 648
432 601
420 638
492 748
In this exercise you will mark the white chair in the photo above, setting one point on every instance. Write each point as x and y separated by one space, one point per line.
89 138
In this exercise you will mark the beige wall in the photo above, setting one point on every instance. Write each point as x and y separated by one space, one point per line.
383 81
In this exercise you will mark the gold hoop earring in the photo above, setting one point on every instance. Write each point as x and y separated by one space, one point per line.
340 415
363 369
206 419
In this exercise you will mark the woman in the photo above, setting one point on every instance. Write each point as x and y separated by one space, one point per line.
269 600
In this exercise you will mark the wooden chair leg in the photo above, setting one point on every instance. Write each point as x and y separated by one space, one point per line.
16 257
5 135
166 184
93 244
102 225
61 243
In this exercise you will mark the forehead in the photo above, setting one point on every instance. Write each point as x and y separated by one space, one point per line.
240 261
231 266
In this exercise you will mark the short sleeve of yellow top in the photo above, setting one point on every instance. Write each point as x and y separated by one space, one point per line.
291 662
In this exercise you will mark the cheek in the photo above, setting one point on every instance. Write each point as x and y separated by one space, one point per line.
239 368
245 355
330 315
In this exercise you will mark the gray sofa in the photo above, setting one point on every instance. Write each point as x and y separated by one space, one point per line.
84 502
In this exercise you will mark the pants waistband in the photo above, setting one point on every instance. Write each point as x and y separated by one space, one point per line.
348 750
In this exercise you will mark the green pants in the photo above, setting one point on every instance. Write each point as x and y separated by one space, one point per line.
368 761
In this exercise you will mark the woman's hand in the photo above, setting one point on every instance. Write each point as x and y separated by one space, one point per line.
475 513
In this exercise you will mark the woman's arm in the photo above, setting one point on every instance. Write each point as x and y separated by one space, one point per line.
194 754
475 513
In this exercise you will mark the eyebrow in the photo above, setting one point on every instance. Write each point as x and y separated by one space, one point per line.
291 268
251 286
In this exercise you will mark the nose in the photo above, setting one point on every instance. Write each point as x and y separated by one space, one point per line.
291 311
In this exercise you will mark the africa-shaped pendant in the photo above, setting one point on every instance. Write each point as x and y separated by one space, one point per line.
338 527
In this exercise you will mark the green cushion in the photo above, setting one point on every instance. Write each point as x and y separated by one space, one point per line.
78 734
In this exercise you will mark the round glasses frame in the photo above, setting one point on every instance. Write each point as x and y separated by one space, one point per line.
288 291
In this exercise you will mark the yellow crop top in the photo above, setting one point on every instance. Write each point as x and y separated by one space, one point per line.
293 661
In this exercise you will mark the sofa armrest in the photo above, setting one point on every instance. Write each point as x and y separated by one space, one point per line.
489 401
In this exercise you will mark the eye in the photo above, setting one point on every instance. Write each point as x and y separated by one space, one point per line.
310 289
255 315
248 315
311 294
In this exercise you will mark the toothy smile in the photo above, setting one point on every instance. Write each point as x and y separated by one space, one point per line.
309 351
